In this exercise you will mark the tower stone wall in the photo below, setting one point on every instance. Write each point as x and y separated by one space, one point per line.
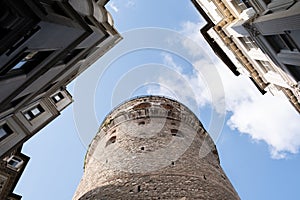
153 148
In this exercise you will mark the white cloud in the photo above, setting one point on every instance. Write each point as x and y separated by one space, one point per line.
263 117
113 6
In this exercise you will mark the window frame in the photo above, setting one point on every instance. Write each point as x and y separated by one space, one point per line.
60 95
248 43
19 162
8 131
30 113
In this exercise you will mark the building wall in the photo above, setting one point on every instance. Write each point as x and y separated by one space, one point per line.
151 148
249 31
11 168
279 30
44 45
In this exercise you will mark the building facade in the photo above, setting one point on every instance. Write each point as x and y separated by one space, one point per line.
153 148
11 168
258 38
44 45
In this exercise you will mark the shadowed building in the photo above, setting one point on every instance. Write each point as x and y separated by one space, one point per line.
44 45
258 38
11 169
153 148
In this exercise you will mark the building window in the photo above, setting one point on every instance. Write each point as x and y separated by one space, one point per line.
265 65
26 58
57 97
289 42
25 62
282 42
5 131
34 112
248 43
294 71
14 162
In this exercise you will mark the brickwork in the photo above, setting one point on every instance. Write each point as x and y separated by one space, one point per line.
153 148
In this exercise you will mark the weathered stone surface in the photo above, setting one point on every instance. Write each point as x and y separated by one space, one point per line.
149 148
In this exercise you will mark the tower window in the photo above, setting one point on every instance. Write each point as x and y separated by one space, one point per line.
215 151
111 140
167 106
176 133
142 106
141 122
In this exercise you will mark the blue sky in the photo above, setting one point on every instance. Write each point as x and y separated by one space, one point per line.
257 136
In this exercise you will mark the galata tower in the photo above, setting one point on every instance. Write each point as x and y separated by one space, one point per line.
153 148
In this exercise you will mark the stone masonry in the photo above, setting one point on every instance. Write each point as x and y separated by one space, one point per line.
153 148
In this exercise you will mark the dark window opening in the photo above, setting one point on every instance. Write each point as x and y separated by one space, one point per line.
111 140
173 163
142 148
58 97
25 62
294 71
204 177
34 112
142 106
138 188
223 177
289 42
141 123
176 133
267 1
215 151
167 106
15 162
277 43
5 131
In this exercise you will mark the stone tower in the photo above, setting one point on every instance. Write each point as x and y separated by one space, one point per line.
153 148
